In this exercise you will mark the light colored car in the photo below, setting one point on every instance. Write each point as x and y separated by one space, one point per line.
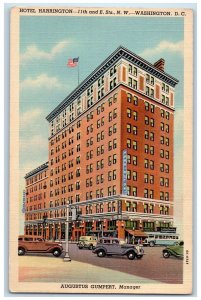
36 244
115 246
88 242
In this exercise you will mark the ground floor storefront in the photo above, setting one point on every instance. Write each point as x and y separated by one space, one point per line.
126 228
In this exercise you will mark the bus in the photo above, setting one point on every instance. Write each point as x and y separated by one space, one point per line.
160 239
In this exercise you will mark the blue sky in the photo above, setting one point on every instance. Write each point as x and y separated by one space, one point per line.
46 43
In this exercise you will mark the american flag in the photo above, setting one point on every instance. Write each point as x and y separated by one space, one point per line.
72 62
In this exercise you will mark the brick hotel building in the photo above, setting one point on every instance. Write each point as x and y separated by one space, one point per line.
111 147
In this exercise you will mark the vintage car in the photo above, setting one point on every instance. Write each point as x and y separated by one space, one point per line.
176 250
36 244
88 242
115 246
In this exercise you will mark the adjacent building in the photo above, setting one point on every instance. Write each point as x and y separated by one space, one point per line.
111 150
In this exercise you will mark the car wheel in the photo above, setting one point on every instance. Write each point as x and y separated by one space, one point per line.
80 247
166 254
131 255
91 247
101 253
151 244
56 252
21 251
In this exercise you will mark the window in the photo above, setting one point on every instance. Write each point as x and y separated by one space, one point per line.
135 130
151 194
167 141
152 122
162 126
167 154
114 158
146 120
146 134
135 115
162 140
128 174
129 98
135 102
151 164
129 128
128 113
146 148
167 128
146 178
161 195
167 168
162 113
166 182
161 181
167 115
162 153
110 116
147 90
128 190
151 136
134 191
114 113
134 176
152 108
166 196
161 210
129 143
161 167
110 145
110 101
146 196
134 145
163 99
167 100
151 150
146 106
110 131
135 160
114 143
151 208
152 93
151 179
128 158
146 163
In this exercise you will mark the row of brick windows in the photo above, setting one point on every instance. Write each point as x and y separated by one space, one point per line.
148 106
148 193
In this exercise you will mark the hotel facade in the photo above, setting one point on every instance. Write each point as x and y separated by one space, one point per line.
111 154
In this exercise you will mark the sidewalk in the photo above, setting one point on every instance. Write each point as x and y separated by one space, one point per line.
51 269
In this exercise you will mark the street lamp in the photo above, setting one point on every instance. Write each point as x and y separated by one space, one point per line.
44 221
67 257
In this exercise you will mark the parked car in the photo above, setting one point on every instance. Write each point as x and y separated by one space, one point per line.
176 250
88 242
115 246
36 244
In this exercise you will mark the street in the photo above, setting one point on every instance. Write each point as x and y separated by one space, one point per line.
151 267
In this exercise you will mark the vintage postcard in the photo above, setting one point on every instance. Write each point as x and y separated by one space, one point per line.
101 150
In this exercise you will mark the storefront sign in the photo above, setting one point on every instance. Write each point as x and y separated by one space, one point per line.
124 172
168 229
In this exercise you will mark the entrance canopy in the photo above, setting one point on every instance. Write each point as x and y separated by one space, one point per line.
137 233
